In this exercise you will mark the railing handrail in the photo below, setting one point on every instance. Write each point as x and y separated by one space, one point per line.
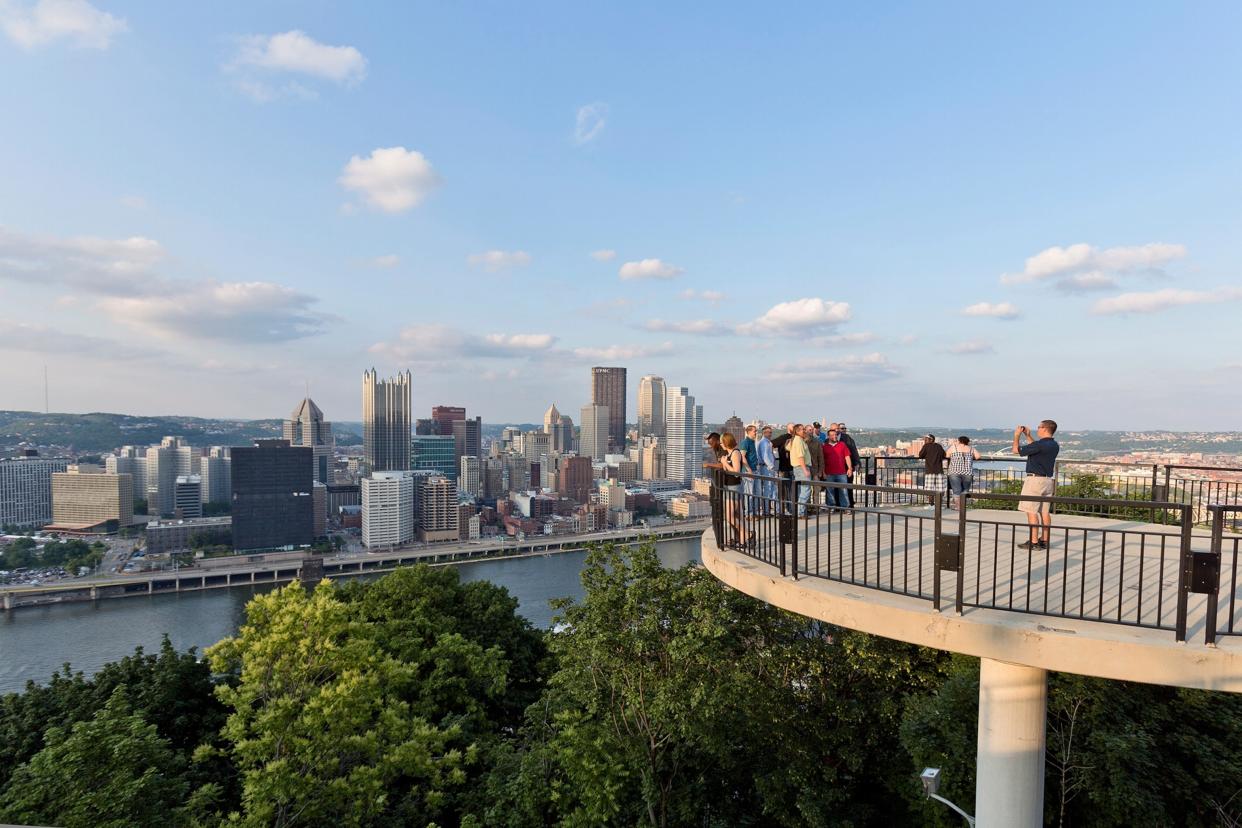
1080 501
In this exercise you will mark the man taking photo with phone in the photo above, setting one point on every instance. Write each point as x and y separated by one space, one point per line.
1041 458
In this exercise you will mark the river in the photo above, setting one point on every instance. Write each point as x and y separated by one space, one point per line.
36 641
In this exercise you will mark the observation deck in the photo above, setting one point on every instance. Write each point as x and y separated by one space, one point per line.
1148 597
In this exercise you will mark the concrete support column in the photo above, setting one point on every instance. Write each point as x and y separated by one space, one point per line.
8 601
1013 706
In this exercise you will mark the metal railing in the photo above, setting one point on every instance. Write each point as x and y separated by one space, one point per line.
904 540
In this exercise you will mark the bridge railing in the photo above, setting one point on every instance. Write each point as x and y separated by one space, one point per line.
903 540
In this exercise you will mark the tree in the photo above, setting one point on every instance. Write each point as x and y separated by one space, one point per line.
679 701
20 554
112 770
320 728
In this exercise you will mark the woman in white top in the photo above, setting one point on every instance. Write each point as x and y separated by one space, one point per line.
962 456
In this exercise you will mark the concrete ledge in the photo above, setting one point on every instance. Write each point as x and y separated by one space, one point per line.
1088 648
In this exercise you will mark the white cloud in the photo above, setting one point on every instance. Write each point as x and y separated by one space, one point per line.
999 310
649 269
1082 258
1159 300
974 347
88 263
711 297
388 260
250 312
842 340
435 343
907 339
589 122
391 179
864 368
603 255
133 202
47 20
699 327
620 353
298 53
798 317
496 260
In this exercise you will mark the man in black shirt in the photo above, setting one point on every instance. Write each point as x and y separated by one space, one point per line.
1040 480
933 455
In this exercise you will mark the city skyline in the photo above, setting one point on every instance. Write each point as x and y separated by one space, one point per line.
944 218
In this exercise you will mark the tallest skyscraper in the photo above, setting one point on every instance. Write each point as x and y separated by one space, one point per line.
386 421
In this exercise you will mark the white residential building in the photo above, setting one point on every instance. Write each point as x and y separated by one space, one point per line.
684 442
26 490
387 509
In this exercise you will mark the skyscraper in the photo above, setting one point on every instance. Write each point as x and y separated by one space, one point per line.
89 500
434 452
651 394
273 505
469 478
188 496
593 441
386 421
216 471
437 510
560 430
26 490
608 389
444 416
577 478
684 424
307 427
468 437
734 426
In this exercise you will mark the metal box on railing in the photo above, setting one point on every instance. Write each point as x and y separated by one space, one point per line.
1204 572
948 549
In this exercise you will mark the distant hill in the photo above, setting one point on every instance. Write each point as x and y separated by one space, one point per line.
100 432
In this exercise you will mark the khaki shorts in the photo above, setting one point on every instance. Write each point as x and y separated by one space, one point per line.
1040 487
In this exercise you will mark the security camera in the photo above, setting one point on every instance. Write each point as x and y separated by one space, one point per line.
930 778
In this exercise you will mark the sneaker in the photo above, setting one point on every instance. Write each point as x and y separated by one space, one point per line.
1042 545
1029 545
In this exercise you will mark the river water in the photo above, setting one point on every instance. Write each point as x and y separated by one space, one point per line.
36 641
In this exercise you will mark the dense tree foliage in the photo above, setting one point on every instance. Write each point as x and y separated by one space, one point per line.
664 699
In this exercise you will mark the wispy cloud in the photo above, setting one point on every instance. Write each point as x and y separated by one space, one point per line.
46 21
974 347
998 310
711 297
497 260
589 122
260 58
603 255
390 179
842 340
1083 266
865 368
434 343
388 260
39 339
698 327
1161 300
649 269
619 353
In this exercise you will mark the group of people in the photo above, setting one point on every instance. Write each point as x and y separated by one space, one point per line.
754 469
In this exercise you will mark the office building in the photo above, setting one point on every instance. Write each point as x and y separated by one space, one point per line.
734 426
26 490
651 459
443 416
425 426
343 494
651 396
387 509
608 390
273 506
307 427
559 429
493 476
164 536
188 496
469 476
437 517
434 452
163 466
593 439
468 437
684 442
536 445
215 468
319 501
85 501
386 417
132 461
576 478
517 473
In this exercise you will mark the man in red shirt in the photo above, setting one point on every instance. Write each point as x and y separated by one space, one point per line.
838 468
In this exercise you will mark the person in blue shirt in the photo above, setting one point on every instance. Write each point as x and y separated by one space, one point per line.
751 485
768 467
1040 481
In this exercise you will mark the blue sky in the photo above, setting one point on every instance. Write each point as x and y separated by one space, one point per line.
206 206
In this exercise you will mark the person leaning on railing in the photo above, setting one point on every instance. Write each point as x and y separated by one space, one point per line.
800 461
1040 481
751 486
962 457
768 469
